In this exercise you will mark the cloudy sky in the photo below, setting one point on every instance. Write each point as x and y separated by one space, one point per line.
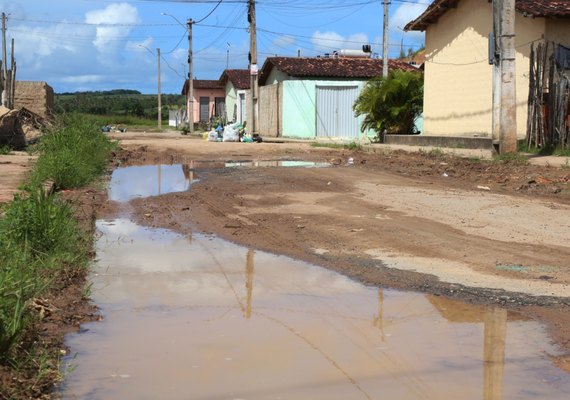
103 44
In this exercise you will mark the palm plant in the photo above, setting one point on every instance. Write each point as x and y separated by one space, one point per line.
391 104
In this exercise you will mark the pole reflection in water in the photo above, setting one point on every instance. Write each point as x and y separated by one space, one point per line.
378 321
179 321
495 321
249 282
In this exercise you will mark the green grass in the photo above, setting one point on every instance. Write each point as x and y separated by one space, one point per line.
72 154
513 158
120 121
544 151
5 150
40 239
346 146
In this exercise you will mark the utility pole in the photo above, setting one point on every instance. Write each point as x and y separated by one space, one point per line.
159 96
190 93
4 64
253 69
495 58
508 113
385 41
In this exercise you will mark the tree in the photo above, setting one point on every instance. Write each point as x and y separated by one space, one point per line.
391 104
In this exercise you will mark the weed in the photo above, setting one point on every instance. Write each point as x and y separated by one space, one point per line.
513 158
5 150
72 154
349 146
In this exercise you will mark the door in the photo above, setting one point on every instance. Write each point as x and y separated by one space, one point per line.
204 109
241 113
335 117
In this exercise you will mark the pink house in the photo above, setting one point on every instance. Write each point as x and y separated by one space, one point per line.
209 99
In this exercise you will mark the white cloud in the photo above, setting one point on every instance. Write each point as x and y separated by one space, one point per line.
83 79
106 37
404 14
330 41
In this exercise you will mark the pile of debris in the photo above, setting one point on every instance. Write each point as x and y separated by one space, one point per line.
20 127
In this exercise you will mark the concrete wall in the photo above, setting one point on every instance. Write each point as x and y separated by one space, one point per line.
37 97
558 30
299 106
458 78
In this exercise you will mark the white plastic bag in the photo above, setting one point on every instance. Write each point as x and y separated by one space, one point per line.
230 134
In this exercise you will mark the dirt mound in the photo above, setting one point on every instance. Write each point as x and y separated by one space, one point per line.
20 127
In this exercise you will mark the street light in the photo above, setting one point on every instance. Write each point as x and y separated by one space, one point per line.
159 107
190 91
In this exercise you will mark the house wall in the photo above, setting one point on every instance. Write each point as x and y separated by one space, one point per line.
211 94
276 76
458 78
270 115
299 106
558 31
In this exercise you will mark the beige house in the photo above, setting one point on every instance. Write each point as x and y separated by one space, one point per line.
458 77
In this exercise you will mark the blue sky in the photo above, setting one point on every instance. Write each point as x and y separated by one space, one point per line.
103 44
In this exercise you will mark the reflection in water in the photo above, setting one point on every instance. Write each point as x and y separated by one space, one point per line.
378 320
179 319
494 353
249 282
150 180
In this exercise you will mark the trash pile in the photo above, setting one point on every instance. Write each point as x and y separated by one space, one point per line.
112 128
20 127
232 133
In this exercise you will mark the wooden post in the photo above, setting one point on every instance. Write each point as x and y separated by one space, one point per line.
508 115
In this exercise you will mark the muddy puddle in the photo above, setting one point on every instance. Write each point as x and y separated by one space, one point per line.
128 183
201 318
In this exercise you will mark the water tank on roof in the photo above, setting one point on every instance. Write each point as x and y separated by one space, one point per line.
353 53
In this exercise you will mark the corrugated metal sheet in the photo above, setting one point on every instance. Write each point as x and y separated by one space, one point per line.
335 117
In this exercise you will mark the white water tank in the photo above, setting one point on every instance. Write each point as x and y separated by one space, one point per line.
353 53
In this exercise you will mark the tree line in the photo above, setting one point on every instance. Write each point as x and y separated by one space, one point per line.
119 102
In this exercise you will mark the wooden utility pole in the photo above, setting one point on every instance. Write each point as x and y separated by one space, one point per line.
4 64
253 68
385 42
159 108
190 93
508 112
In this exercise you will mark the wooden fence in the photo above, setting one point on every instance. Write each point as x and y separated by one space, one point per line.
548 123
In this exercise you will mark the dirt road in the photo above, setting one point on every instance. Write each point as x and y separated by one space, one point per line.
484 231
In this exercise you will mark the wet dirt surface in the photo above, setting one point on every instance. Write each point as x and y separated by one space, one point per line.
390 220
198 317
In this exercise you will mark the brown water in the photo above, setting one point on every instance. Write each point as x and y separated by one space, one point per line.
201 318
128 183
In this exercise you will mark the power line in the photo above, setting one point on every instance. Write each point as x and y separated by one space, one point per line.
210 13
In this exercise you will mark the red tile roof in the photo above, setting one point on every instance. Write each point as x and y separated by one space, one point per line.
529 8
240 78
202 84
341 67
